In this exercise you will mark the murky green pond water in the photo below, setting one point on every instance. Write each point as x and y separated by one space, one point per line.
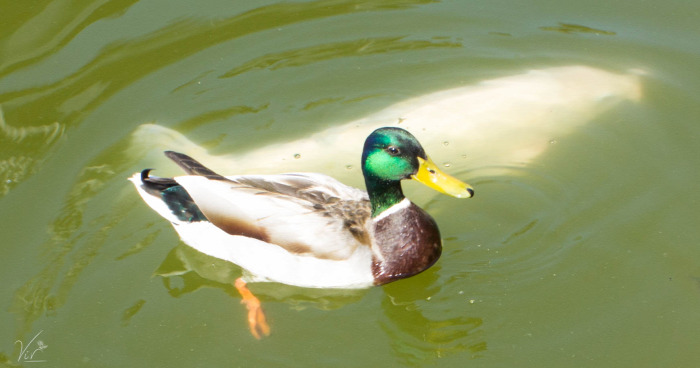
580 248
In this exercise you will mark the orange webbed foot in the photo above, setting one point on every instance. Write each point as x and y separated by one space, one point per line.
256 317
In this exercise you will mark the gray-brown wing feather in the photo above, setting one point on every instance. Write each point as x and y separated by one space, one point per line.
322 198
192 166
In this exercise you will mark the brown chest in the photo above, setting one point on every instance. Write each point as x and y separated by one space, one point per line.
409 241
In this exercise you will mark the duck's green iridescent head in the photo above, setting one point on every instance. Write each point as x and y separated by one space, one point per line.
393 154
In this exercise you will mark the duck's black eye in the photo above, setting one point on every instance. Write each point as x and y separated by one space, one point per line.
393 150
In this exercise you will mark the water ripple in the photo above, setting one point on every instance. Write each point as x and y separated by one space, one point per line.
517 232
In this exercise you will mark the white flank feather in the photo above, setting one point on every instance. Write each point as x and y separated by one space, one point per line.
283 218
268 262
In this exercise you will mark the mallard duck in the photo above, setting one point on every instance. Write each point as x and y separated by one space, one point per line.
308 229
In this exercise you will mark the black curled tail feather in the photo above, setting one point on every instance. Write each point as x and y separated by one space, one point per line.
156 183
174 196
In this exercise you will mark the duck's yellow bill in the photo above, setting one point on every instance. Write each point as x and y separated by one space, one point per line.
429 174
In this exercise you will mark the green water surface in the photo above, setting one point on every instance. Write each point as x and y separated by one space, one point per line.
586 257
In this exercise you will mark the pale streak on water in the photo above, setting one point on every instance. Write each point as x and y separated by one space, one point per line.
584 251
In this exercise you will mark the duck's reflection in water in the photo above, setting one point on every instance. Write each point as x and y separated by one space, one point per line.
422 328
185 270
416 333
